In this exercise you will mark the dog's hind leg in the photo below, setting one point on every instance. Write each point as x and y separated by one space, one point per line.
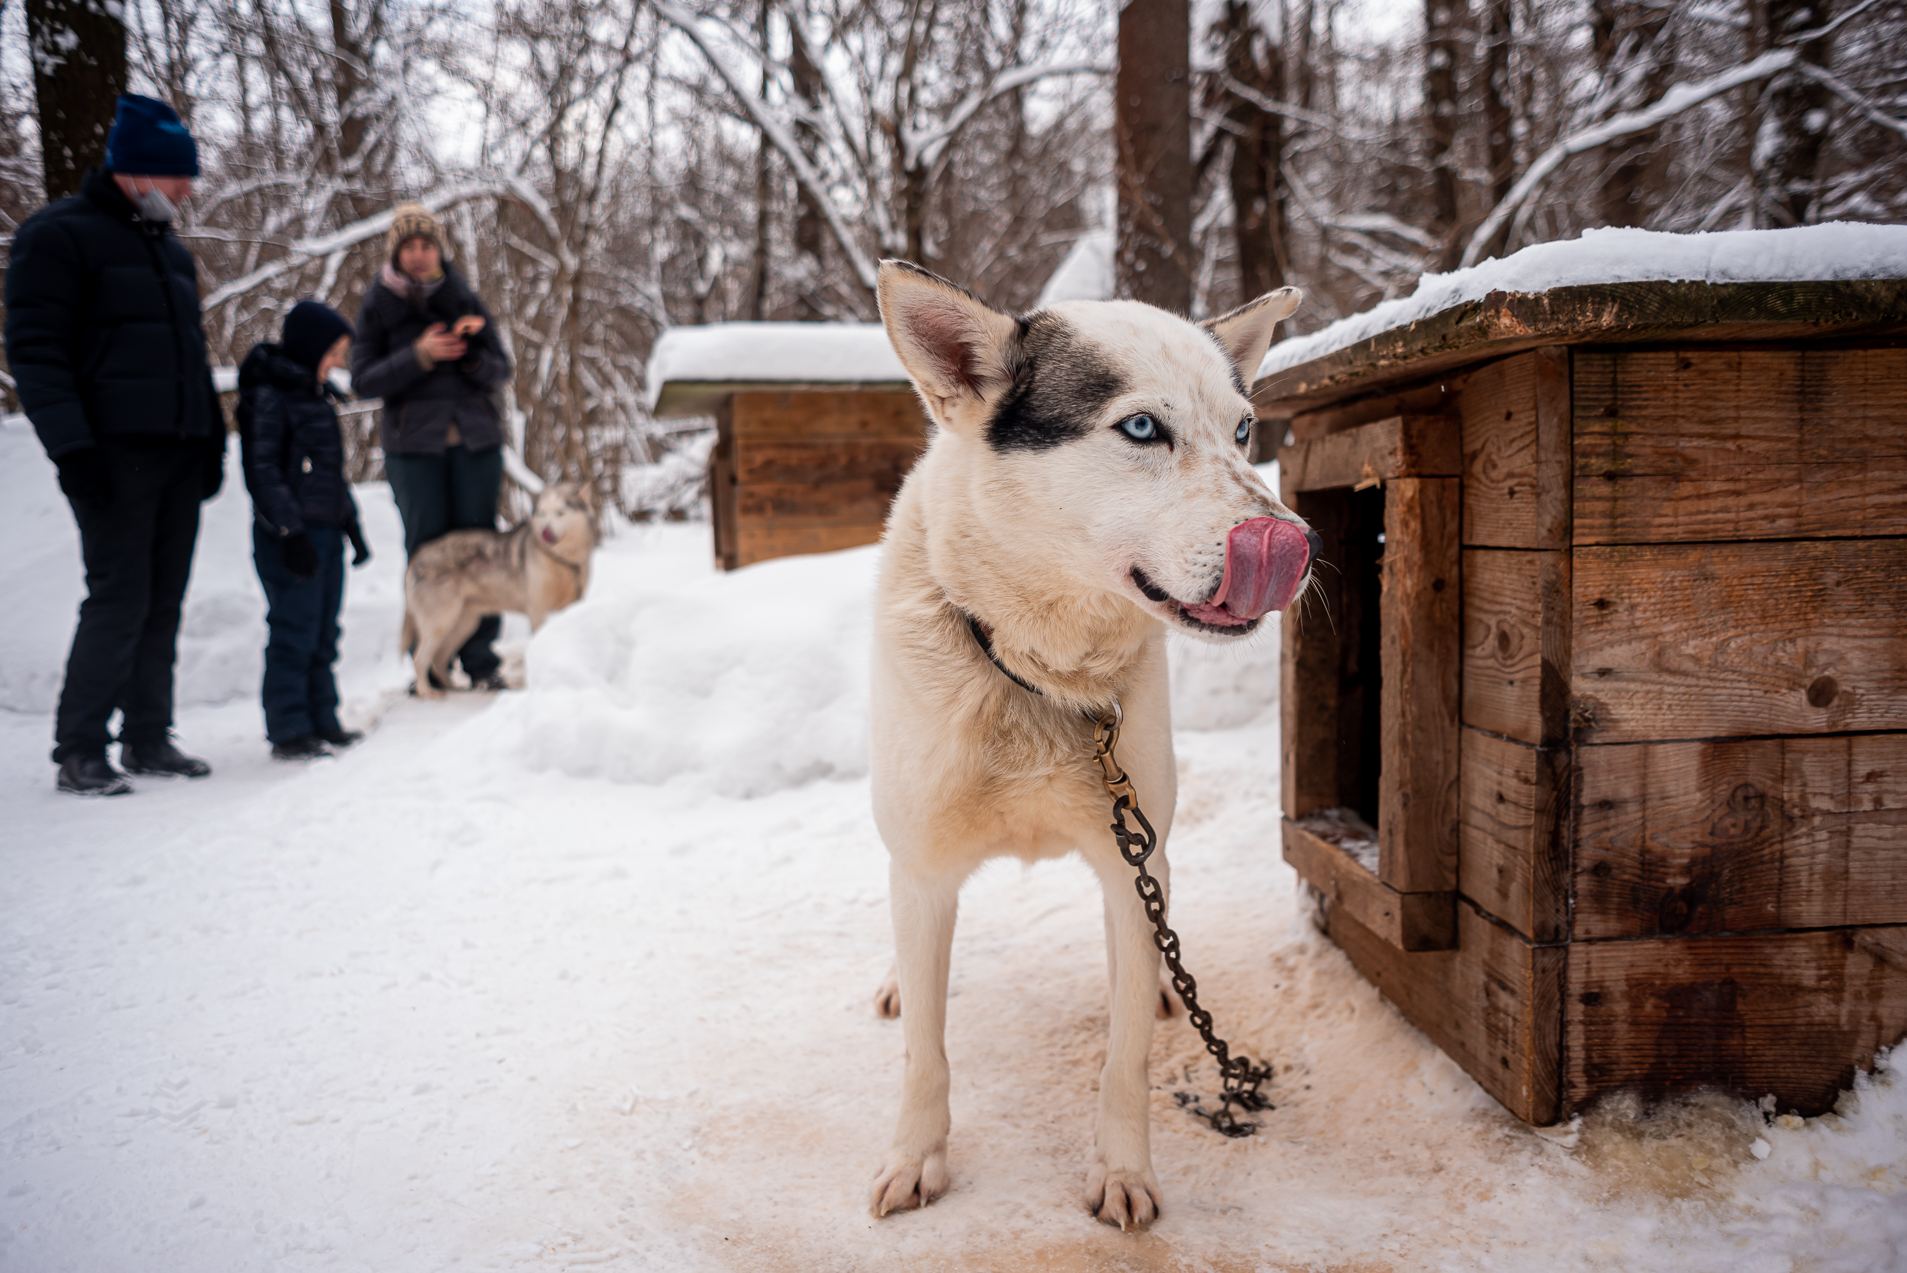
915 1172
1120 1186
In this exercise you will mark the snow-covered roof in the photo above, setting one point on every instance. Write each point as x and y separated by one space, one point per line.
691 367
1817 253
1084 273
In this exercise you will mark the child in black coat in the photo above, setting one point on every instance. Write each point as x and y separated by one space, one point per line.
303 513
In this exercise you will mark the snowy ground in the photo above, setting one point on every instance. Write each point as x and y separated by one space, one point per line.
579 976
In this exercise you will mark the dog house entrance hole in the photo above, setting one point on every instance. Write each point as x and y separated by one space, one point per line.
1351 525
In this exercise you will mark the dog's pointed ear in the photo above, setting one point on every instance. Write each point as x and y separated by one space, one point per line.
960 351
1245 333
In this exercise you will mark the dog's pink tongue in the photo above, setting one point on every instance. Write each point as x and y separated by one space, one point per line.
1265 562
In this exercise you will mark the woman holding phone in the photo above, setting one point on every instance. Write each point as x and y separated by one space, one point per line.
426 346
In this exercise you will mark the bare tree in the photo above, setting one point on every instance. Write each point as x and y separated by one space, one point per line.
1152 131
78 49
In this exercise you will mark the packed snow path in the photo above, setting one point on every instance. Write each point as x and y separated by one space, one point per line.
580 976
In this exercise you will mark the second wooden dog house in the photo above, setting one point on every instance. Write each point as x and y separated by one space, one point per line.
1596 736
816 425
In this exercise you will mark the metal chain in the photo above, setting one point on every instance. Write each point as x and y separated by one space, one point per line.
1241 1077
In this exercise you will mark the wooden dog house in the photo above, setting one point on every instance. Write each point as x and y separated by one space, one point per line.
816 425
1598 760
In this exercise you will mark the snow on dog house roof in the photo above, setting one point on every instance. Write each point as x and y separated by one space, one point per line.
692 369
1609 286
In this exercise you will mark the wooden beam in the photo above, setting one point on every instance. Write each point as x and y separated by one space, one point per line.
1516 638
1516 448
1725 640
1681 445
1420 726
1604 314
1792 1014
1409 921
683 399
1402 446
1515 852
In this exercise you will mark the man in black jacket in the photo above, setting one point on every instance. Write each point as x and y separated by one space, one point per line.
105 345
426 346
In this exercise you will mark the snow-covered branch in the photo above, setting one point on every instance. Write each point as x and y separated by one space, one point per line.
305 250
1680 97
779 137
1273 106
1847 92
922 149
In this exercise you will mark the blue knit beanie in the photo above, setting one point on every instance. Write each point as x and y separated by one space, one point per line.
149 140
310 329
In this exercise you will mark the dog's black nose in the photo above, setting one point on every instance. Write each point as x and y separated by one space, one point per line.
1317 545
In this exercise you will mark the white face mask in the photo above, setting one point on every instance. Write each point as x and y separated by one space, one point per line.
153 204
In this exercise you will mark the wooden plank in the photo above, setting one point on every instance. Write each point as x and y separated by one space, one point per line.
845 501
1791 1014
1409 921
1745 834
1515 415
835 415
761 540
1419 809
1434 398
1402 446
1493 1004
681 399
1515 851
1720 640
1516 638
1681 445
884 461
1605 313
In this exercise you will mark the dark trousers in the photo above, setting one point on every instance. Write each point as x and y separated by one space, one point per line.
300 692
436 494
138 553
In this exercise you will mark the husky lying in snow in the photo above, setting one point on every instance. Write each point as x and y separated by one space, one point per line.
1088 488
536 569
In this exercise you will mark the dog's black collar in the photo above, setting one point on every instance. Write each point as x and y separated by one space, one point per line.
983 637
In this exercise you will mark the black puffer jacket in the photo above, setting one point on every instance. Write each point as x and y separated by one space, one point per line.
103 333
420 405
289 441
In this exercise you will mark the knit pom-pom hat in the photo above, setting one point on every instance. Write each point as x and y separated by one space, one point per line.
413 221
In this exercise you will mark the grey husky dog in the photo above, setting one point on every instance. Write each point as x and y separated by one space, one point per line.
535 569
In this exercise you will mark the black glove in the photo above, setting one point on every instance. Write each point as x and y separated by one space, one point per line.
360 551
85 478
301 559
213 475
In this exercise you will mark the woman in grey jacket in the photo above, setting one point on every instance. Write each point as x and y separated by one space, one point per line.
426 346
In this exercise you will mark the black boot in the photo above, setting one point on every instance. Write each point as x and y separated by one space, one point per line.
161 759
90 775
340 737
303 747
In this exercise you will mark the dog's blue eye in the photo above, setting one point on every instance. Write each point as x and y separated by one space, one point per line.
1244 431
1141 428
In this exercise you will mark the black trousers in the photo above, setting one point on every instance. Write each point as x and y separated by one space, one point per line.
138 553
453 490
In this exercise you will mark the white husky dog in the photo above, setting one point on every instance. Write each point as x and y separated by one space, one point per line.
1088 487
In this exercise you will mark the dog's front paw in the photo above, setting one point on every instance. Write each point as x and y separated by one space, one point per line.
908 1181
887 1000
1129 1199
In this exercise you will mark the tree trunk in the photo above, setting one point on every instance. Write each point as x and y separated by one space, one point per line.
758 269
1637 168
79 70
1499 121
811 227
1152 116
1258 205
1443 51
1794 119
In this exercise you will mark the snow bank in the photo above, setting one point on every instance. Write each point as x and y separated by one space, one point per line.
1806 253
800 353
